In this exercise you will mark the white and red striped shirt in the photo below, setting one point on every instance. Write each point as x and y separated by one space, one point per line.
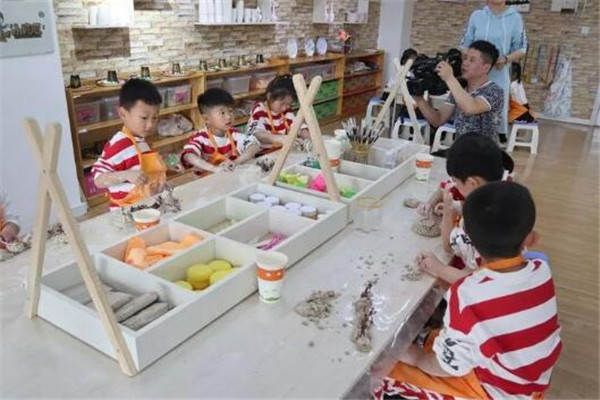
504 327
277 124
201 145
119 154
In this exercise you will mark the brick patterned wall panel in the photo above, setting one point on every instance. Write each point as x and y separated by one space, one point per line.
164 32
438 26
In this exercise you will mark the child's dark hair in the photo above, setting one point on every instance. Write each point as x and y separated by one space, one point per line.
474 154
135 90
408 53
498 217
213 98
488 51
515 69
280 87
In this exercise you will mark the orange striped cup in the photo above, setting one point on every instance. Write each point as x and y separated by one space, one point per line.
423 164
146 218
270 270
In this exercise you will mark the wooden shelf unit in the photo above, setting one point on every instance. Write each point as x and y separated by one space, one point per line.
85 135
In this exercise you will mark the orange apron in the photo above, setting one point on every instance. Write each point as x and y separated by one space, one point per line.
515 110
273 130
217 158
155 169
466 386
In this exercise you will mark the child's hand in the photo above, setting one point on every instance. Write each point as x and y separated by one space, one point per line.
227 166
9 233
424 208
448 202
439 209
429 263
135 177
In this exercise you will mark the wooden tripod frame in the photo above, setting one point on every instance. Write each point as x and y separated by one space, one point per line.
45 150
307 112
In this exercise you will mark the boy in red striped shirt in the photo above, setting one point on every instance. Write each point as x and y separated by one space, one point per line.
500 338
472 161
119 166
271 120
218 146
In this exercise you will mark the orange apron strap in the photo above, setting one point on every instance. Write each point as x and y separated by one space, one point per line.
466 386
216 156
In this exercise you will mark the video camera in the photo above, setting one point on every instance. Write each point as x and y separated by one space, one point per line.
422 76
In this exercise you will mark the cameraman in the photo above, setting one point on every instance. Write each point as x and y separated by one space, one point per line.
478 107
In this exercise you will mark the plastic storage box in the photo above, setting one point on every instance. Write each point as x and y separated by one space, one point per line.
110 108
163 94
87 113
178 95
216 83
304 71
261 80
237 84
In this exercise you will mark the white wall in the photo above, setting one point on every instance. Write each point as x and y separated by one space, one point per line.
394 30
32 86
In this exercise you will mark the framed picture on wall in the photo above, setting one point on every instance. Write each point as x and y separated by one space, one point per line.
520 5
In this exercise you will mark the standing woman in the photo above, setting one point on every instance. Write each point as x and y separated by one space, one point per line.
502 26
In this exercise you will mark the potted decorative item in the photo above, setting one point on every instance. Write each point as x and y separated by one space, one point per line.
342 42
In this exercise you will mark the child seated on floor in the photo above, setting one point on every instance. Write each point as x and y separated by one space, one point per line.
271 120
472 161
518 108
500 336
9 222
127 166
218 146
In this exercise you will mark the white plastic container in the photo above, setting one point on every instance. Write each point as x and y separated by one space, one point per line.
214 83
237 84
261 80
110 108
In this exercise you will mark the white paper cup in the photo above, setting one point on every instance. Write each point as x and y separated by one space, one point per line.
145 219
423 164
270 268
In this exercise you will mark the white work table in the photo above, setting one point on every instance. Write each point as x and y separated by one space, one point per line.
255 349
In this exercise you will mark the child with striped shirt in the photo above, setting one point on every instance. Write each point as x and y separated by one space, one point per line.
472 161
500 337
271 120
218 146
127 166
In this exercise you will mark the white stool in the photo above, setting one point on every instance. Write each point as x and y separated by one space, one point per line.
532 143
438 143
402 129
375 105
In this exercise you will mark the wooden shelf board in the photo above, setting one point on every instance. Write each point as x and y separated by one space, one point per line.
118 122
241 23
363 54
252 93
270 65
363 73
314 59
90 89
360 90
157 141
